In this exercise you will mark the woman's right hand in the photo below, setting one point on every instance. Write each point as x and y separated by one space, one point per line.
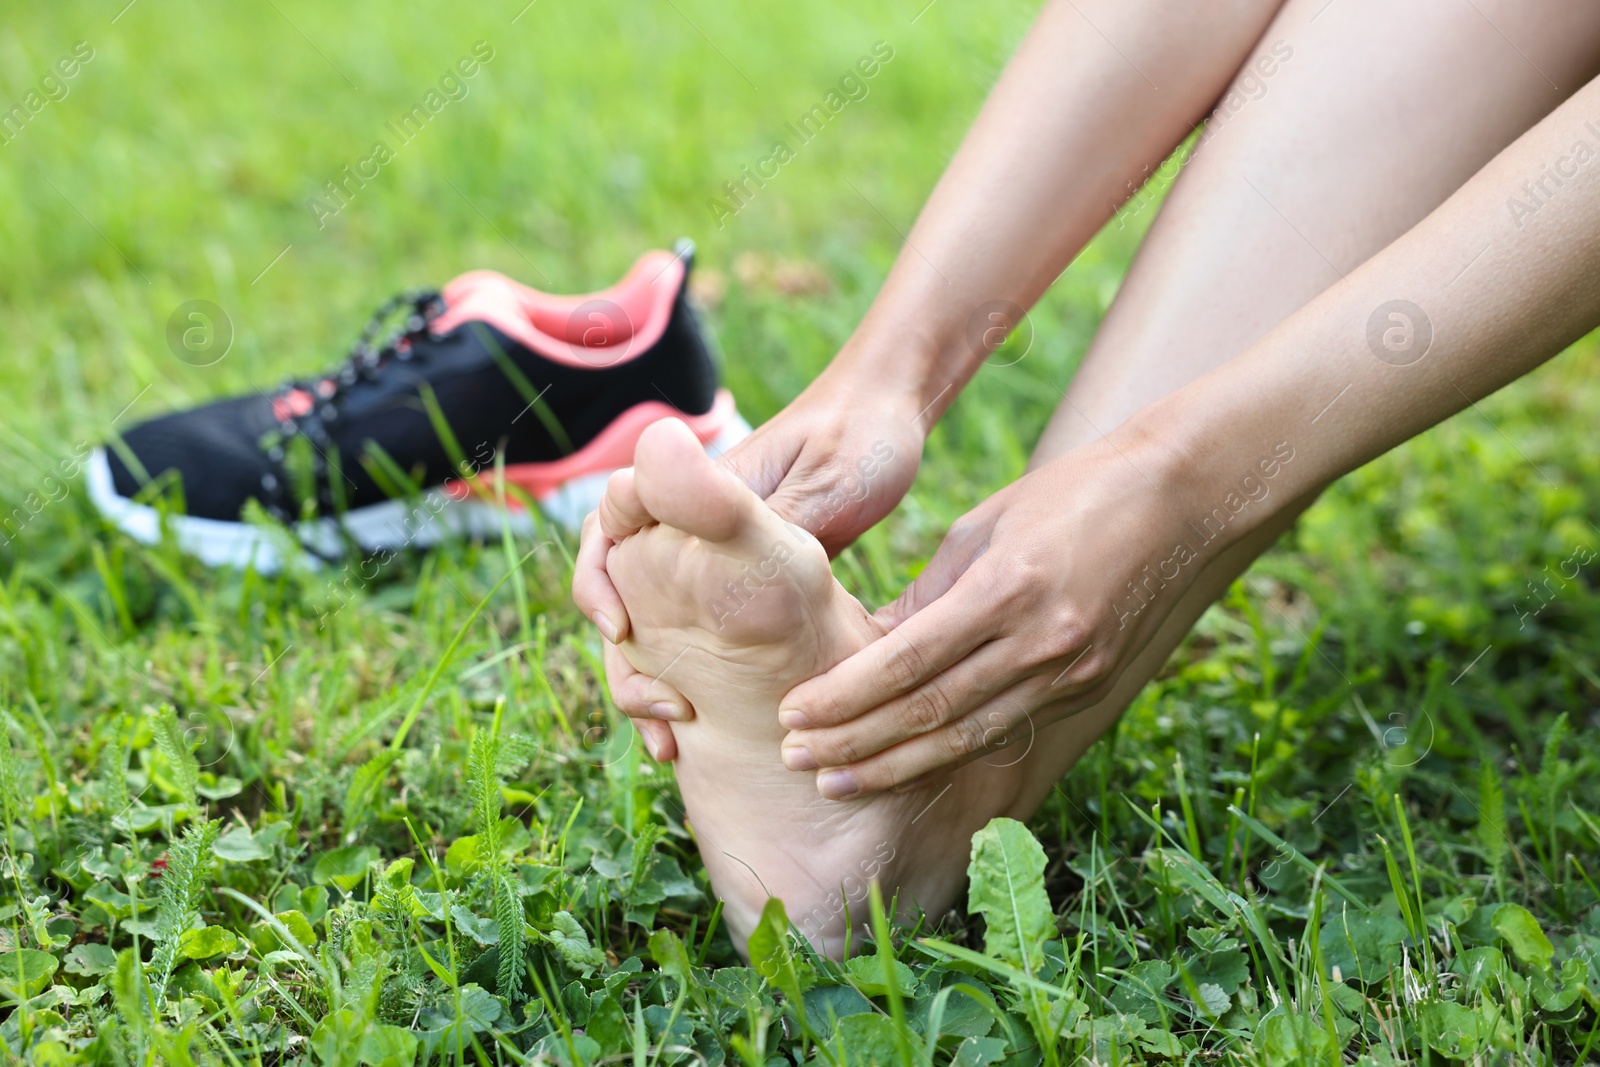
835 462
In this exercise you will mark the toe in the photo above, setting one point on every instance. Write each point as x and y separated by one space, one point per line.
680 486
621 513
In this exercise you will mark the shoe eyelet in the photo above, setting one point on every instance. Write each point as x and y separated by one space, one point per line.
269 482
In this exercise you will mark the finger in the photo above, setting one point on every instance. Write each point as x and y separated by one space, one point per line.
592 590
962 546
944 698
929 642
639 695
622 513
658 739
1002 730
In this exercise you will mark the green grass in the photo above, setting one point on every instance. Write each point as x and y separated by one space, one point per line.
1375 757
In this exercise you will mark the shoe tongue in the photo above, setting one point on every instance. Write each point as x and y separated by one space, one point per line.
594 330
486 298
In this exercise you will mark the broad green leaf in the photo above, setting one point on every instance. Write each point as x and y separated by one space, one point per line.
866 1039
1481 968
826 1005
482 930
344 867
384 1045
666 948
1456 1031
462 857
1521 931
772 957
979 1052
1362 945
739 988
1556 997
52 1054
25 972
218 786
964 1007
1219 960
1213 999
266 939
1284 1037
1161 1043
479 1008
1007 887
206 942
238 845
1138 991
607 1024
866 972
91 958
572 943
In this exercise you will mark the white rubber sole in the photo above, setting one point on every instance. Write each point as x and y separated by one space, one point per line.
391 525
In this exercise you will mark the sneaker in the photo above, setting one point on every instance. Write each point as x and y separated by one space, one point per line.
399 446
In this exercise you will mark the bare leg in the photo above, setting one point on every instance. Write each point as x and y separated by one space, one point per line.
1380 113
724 623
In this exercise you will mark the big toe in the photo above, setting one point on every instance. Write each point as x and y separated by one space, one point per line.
680 486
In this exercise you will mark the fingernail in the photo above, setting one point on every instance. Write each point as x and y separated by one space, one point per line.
607 627
798 759
665 709
837 785
793 719
650 746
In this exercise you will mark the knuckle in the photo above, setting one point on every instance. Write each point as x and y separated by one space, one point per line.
1068 635
927 709
627 694
963 738
1095 670
1017 584
821 709
905 665
839 751
963 531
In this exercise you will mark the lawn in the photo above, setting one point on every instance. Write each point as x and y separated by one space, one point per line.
305 819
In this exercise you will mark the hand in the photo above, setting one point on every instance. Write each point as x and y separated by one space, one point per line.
1028 612
835 461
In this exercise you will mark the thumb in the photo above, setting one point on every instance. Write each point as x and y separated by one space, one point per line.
762 460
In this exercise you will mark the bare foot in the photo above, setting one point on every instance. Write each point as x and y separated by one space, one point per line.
734 607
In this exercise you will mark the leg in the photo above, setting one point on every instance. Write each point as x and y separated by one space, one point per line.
1320 171
749 608
1380 113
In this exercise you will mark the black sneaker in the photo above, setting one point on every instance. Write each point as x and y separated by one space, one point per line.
399 446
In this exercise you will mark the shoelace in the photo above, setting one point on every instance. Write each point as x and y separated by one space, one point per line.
368 358
305 406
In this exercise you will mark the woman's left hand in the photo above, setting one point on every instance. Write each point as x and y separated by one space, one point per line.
1032 606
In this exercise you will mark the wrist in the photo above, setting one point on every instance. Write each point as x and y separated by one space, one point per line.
905 372
1220 482
885 379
